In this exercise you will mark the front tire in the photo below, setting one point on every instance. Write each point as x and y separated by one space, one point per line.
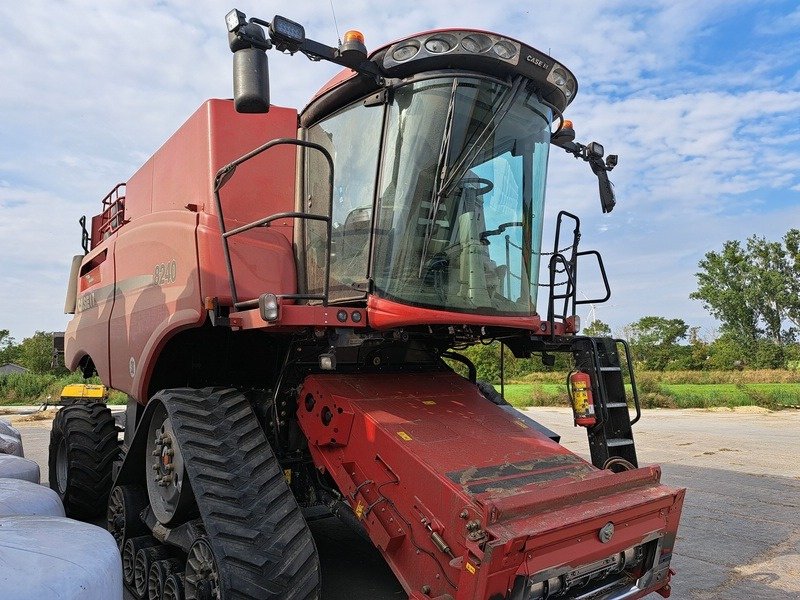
83 448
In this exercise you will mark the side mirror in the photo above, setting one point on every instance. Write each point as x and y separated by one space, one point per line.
250 70
593 153
607 199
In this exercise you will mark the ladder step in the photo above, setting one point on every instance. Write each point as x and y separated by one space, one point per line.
610 369
618 442
616 405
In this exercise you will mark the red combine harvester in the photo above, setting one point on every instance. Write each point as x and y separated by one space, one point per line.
284 315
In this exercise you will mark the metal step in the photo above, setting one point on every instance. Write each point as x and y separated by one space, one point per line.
610 369
617 405
618 442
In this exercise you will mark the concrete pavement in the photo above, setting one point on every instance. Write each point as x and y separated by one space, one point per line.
740 532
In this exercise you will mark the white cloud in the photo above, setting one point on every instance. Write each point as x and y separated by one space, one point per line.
91 89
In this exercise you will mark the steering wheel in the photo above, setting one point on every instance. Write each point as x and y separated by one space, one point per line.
485 185
500 229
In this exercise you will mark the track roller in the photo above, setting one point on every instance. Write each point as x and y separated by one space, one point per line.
202 574
129 550
168 486
125 503
173 587
160 570
144 560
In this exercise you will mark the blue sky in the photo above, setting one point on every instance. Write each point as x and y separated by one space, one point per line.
701 100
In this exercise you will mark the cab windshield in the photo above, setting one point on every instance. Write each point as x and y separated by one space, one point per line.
460 207
449 215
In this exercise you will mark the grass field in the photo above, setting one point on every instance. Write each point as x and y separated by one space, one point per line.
672 389
671 395
768 395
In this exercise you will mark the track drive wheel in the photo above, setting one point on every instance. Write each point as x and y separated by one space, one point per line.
83 447
168 486
256 544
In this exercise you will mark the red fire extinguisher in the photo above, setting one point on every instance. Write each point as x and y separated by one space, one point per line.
580 392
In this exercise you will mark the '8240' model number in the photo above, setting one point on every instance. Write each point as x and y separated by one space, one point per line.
165 273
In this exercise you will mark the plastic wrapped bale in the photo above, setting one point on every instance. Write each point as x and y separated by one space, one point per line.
58 559
19 498
16 467
10 439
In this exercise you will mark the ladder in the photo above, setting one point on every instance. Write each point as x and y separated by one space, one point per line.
612 436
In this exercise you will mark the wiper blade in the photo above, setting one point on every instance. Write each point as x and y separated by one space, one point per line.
464 161
441 172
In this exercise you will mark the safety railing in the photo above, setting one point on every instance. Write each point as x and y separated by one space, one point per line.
568 268
113 215
224 175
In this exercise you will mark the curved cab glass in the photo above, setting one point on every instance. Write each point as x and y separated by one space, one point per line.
461 197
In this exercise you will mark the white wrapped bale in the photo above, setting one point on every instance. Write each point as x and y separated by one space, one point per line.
10 439
58 559
16 467
20 498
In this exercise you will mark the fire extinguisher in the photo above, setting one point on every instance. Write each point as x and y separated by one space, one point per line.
580 393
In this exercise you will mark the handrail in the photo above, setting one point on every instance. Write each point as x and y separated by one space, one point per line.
277 216
603 275
223 176
570 266
635 393
555 260
85 239
113 215
570 269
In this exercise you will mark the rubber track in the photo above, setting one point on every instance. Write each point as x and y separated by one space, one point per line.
260 539
92 448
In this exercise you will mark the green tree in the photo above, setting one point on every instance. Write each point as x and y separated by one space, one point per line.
791 242
752 290
727 352
9 351
722 288
654 341
597 329
692 357
769 284
36 353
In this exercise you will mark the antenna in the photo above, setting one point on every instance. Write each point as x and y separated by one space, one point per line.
335 24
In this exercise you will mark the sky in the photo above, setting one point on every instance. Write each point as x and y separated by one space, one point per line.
700 100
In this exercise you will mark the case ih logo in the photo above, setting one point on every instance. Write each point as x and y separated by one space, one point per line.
86 302
538 62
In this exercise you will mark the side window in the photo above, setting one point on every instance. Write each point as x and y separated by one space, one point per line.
352 136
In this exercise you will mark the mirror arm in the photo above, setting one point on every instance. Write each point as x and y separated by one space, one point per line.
317 51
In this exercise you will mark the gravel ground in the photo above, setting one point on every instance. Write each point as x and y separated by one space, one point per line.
740 532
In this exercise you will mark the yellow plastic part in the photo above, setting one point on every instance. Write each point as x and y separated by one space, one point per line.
88 391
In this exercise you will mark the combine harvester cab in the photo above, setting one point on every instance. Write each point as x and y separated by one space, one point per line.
282 295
